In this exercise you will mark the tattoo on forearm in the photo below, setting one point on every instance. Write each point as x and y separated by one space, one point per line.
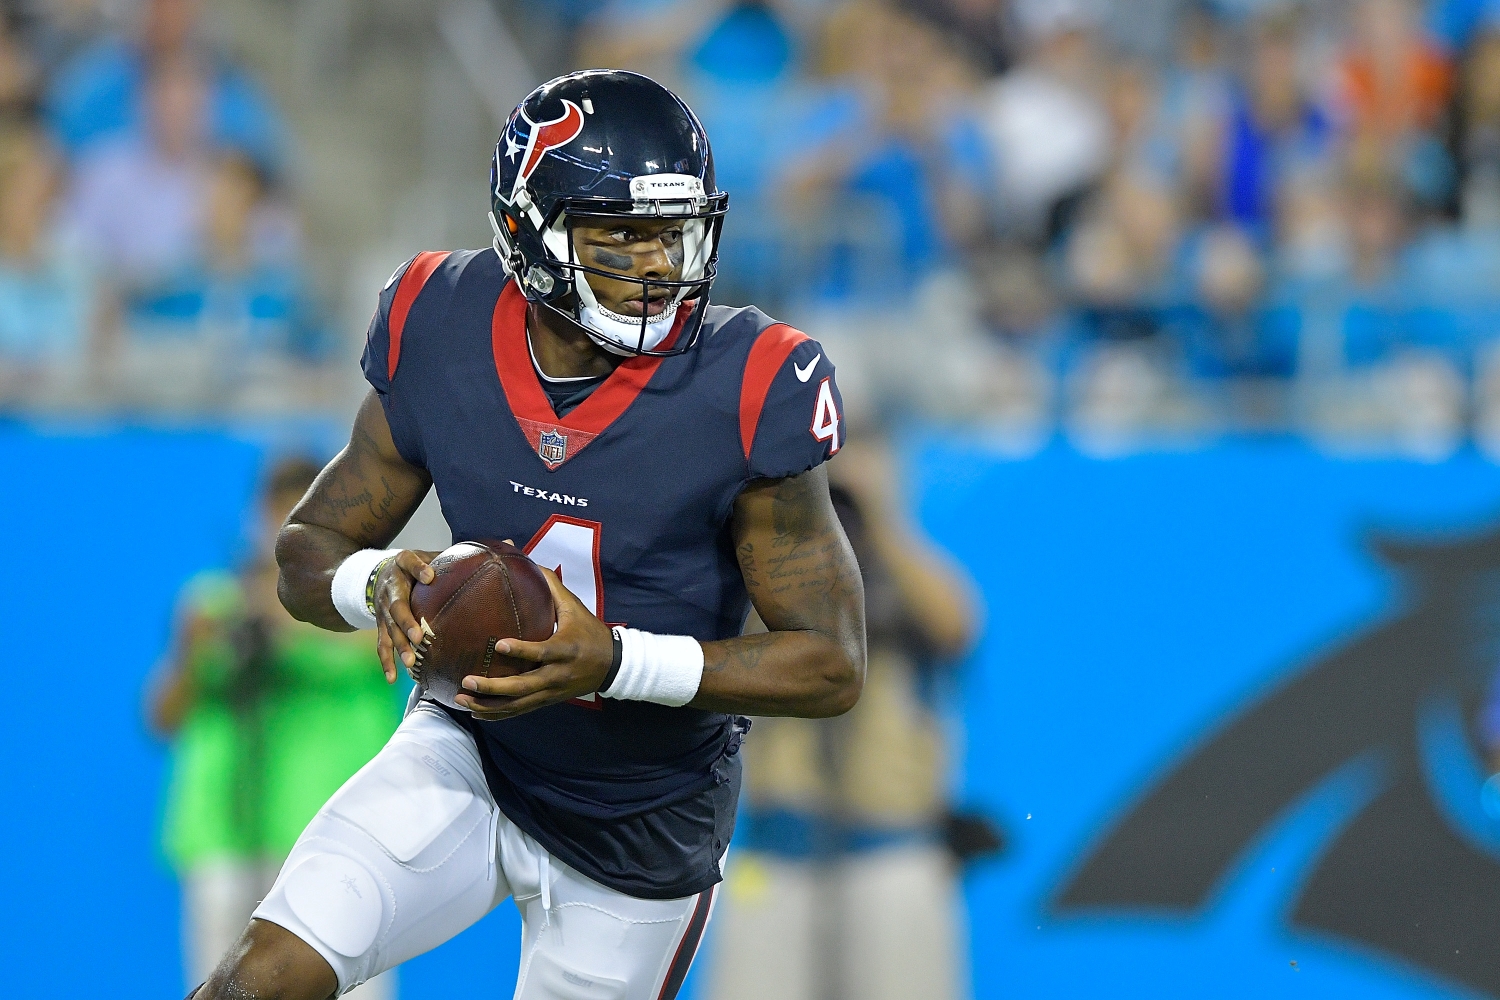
744 653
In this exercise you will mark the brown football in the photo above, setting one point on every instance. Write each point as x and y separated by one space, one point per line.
483 591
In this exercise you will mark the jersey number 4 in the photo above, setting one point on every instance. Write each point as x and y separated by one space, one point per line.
825 421
569 546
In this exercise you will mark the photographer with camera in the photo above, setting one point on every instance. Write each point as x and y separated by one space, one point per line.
267 717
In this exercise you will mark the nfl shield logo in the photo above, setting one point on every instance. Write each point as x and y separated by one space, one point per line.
553 447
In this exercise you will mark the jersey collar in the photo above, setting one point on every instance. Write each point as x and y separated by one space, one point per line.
556 439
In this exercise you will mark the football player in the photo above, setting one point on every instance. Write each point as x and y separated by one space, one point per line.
573 389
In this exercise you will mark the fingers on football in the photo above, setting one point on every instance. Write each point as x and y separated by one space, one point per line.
409 633
396 621
516 685
394 590
547 651
564 599
415 565
507 697
386 652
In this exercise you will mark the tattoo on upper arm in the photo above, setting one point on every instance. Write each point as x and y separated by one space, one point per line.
748 567
800 575
369 510
362 494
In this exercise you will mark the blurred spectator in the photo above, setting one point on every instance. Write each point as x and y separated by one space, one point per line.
53 31
1121 254
18 78
916 169
1395 85
1478 131
268 716
1194 106
137 201
981 29
1048 130
1016 297
1379 223
926 158
1118 394
202 262
1229 329
651 36
1274 129
102 92
1314 244
842 883
44 291
242 290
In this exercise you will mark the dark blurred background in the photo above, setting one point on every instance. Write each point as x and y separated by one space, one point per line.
1182 315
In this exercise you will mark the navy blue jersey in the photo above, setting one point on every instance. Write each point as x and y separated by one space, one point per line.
629 498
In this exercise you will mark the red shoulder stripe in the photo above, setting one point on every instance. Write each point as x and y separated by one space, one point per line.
771 349
407 291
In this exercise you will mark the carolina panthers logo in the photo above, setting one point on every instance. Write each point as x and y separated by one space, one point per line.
542 136
1416 871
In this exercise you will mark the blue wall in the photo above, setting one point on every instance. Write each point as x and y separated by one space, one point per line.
1134 605
103 528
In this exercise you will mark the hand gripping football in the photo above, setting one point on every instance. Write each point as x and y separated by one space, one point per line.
482 591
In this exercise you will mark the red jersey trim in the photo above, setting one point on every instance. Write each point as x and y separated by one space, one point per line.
771 349
529 403
412 282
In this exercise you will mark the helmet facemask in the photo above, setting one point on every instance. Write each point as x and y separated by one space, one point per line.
558 280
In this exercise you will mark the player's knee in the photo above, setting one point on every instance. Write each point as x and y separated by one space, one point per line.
269 963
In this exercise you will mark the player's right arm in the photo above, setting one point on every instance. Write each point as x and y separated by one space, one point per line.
361 500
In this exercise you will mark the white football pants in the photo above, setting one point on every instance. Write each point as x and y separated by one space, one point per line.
412 850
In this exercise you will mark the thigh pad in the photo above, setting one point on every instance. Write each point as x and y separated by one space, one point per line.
416 805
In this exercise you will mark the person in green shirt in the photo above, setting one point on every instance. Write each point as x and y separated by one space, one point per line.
268 717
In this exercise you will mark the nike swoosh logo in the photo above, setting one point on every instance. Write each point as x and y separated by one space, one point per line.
803 374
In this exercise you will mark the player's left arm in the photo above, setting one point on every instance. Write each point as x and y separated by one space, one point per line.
806 586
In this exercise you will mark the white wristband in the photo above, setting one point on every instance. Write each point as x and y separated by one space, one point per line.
349 582
666 669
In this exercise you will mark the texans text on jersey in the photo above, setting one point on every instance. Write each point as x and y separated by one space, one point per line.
561 498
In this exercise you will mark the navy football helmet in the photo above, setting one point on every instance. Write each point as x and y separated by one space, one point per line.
602 144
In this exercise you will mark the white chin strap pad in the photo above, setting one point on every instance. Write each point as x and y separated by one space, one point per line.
618 329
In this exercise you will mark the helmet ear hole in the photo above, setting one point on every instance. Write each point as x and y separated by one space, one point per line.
510 224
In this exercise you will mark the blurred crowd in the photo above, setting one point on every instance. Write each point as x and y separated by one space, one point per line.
149 249
1132 220
1145 218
